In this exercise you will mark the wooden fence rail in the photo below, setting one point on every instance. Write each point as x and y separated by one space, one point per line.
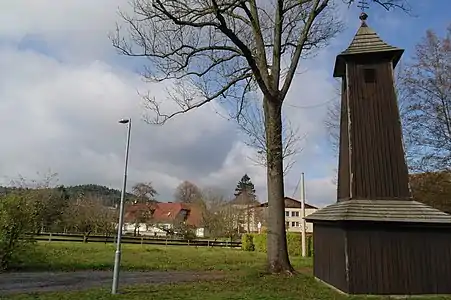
61 237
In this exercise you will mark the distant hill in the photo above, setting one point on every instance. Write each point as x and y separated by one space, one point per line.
108 196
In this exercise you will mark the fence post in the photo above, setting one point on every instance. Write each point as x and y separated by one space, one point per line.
208 243
188 242
142 239
166 241
50 237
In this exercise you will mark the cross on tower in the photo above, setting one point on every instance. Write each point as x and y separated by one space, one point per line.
363 4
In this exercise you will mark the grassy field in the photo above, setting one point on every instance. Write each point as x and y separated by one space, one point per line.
66 256
245 280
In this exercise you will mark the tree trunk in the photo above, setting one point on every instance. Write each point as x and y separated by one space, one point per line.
278 260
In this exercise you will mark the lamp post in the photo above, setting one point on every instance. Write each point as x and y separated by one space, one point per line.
117 257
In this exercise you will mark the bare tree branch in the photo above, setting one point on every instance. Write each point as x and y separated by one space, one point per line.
252 124
388 4
427 114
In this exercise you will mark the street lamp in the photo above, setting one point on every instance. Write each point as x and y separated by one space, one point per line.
117 257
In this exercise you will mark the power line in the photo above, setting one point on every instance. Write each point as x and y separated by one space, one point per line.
313 105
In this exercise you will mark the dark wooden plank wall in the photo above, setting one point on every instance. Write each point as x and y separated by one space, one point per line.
399 261
343 161
378 167
329 257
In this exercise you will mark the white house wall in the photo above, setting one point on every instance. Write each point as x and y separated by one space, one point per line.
145 230
293 218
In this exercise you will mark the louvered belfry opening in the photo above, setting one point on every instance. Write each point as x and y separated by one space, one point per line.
376 239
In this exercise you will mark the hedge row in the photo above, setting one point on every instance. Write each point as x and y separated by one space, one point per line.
257 242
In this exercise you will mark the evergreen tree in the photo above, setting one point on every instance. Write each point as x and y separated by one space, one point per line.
245 194
245 185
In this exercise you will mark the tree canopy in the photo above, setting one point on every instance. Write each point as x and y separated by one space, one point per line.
188 192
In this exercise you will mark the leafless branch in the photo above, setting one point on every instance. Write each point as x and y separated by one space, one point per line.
252 124
388 4
221 49
427 114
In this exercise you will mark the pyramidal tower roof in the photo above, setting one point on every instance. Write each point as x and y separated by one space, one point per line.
366 42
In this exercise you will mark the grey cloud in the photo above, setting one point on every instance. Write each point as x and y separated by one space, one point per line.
62 114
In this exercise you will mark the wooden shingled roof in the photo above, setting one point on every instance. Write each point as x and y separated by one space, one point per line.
381 210
366 41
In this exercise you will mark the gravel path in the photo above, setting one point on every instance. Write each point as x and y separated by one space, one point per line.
11 283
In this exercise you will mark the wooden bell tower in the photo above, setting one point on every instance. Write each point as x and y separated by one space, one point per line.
375 239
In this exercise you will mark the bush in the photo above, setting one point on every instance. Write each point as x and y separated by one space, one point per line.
310 245
258 242
247 242
16 220
294 243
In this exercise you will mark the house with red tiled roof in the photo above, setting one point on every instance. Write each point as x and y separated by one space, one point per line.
163 218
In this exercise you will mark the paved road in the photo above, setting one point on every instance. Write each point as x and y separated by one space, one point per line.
11 283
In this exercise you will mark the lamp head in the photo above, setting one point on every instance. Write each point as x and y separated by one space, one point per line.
124 121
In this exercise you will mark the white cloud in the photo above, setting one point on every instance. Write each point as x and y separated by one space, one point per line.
61 96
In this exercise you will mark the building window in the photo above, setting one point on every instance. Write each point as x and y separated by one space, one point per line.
369 75
295 214
287 213
297 224
287 224
293 224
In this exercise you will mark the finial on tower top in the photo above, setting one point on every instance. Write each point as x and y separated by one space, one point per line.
363 16
363 4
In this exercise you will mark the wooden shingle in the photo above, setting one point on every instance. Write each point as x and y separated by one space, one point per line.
380 210
366 41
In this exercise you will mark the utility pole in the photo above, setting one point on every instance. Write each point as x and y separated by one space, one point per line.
304 252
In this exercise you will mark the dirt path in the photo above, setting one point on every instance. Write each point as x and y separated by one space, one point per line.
11 283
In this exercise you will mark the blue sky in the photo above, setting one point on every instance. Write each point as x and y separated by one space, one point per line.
62 88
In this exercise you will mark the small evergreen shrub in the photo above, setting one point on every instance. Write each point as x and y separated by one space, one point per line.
247 242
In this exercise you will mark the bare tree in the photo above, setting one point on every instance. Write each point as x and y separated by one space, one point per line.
224 49
188 192
87 215
252 123
219 217
46 200
145 192
427 114
45 180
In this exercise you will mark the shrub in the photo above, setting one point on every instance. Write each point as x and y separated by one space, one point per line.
247 242
260 242
294 243
16 220
189 235
310 245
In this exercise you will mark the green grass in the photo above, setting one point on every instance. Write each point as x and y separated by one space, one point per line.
66 256
249 287
244 269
